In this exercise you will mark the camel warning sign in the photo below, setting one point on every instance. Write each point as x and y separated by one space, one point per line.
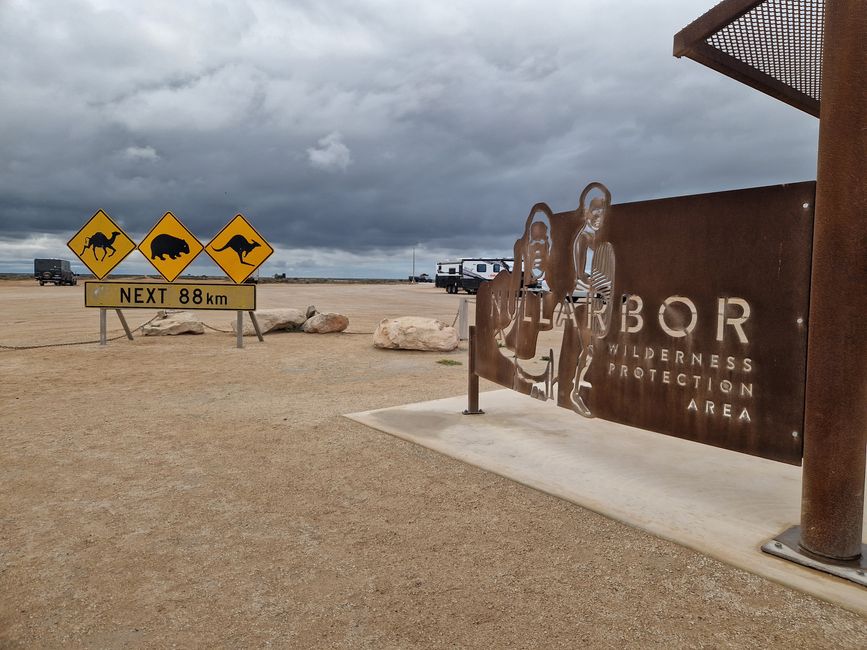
170 247
238 249
101 244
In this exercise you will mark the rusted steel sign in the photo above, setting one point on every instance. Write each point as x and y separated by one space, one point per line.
685 316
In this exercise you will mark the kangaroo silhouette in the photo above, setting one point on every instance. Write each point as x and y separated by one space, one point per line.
241 246
99 240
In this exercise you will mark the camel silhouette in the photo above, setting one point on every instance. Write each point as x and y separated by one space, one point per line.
99 240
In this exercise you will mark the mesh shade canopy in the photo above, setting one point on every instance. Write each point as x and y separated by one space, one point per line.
772 45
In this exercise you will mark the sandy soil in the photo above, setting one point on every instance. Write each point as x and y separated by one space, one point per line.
178 491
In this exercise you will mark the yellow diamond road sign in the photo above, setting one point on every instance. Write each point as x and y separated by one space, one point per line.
238 249
101 244
170 247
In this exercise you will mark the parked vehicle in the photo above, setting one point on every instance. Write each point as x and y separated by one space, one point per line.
469 274
52 271
448 275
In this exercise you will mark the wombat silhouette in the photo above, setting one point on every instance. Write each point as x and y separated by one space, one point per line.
164 244
241 246
99 240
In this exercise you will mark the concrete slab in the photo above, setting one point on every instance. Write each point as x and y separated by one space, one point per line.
715 501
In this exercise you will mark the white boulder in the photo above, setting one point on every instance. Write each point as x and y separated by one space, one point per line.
171 323
325 323
415 333
271 320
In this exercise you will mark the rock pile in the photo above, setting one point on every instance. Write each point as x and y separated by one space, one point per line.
287 319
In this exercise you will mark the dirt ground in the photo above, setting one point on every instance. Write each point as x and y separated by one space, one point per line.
179 492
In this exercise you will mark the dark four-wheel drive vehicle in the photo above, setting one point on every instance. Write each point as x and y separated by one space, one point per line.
53 272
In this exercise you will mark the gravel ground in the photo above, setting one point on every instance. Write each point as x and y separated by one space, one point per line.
180 492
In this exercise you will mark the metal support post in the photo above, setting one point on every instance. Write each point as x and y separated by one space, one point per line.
124 323
239 328
464 320
835 427
835 434
256 326
472 378
103 336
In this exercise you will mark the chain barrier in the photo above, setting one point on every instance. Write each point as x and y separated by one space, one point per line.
120 336
217 329
71 343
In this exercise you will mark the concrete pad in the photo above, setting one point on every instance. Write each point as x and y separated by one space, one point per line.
717 502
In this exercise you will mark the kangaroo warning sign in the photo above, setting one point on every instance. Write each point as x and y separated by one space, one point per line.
101 244
238 249
170 247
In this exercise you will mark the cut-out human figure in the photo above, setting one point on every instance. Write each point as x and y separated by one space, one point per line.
523 305
593 261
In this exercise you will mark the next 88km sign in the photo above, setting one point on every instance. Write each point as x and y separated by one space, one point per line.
159 295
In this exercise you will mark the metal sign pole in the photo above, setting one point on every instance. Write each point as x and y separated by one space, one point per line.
255 322
240 330
124 323
103 338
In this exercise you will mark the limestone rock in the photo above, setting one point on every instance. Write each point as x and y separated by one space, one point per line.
326 323
414 333
271 320
171 323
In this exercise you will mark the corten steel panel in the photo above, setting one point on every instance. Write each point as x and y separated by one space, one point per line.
750 248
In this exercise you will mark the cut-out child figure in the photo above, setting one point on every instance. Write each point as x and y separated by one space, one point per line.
531 312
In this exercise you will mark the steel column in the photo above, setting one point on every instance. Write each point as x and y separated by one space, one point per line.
835 432
472 377
239 328
103 333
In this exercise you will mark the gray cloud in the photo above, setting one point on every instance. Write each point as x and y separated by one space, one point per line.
364 128
330 154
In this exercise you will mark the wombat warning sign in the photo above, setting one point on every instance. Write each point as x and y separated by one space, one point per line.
170 247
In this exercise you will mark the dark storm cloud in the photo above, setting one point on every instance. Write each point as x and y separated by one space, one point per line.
366 127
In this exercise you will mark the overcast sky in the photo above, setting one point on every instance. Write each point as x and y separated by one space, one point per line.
350 131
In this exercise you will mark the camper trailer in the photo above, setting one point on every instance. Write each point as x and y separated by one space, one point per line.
448 275
469 273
